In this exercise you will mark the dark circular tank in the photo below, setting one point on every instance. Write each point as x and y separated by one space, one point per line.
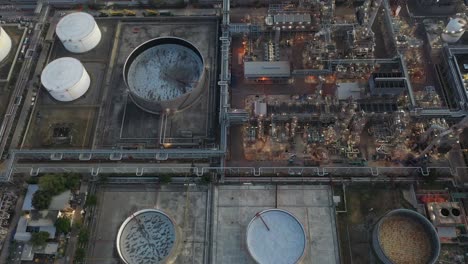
456 212
405 236
444 212
164 74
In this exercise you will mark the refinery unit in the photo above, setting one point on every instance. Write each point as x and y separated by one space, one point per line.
308 85
324 90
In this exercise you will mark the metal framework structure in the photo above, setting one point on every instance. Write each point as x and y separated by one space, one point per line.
148 161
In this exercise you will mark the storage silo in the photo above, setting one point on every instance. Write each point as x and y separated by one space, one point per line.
148 236
405 236
275 236
454 30
5 44
65 79
78 32
166 73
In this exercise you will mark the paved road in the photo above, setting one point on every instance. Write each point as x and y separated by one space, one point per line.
23 80
73 240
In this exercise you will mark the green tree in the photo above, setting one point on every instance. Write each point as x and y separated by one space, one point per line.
91 200
103 178
52 183
164 179
432 177
63 225
32 180
39 239
80 254
41 200
72 181
205 179
156 3
83 236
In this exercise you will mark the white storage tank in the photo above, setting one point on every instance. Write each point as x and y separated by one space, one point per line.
454 30
78 32
275 236
5 44
65 79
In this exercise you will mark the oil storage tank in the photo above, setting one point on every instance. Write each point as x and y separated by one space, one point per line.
454 30
66 79
276 236
148 236
405 236
5 44
78 32
166 73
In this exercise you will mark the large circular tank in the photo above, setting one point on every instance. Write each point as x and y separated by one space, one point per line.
454 30
276 236
163 74
405 236
148 236
5 44
78 32
65 79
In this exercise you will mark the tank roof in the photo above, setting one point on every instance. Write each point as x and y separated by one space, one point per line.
276 236
405 236
147 236
62 74
163 69
75 26
455 25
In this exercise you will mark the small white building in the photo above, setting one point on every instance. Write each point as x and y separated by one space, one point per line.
267 69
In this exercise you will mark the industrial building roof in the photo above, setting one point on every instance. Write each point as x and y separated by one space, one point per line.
347 90
27 204
268 69
284 18
447 232
445 214
29 251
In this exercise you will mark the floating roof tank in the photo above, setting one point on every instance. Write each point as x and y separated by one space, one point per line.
405 236
65 79
166 73
275 236
454 30
78 32
148 236
5 44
